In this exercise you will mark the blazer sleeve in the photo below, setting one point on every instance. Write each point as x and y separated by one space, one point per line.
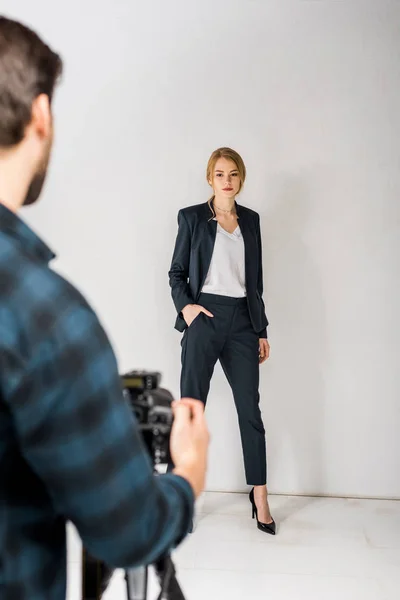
179 271
260 283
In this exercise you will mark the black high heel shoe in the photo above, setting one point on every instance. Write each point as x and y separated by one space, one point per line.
265 527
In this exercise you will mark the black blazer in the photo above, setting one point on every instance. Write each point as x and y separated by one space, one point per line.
192 257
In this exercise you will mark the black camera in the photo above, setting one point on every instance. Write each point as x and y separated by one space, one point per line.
151 406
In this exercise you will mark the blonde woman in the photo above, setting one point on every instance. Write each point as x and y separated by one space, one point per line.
217 287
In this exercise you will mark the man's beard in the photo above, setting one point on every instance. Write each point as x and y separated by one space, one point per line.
35 188
36 185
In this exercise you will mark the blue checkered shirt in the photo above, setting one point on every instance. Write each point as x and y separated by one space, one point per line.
70 449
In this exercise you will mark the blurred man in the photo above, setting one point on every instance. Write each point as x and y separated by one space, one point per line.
69 446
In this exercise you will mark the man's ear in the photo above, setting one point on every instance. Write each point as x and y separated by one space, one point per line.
41 122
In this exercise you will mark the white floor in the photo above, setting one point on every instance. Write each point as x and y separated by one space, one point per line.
325 549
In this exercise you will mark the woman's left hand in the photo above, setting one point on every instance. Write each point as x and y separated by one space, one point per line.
264 350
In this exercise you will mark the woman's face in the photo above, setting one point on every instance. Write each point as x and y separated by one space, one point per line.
226 178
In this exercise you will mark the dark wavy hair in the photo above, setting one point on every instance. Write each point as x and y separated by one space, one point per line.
28 68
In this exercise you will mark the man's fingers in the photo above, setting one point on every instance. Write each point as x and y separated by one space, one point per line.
206 312
188 402
196 407
182 412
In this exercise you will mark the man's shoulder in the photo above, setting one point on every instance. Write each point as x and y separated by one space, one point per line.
34 298
42 284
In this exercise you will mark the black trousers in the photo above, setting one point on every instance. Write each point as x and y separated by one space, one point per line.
230 338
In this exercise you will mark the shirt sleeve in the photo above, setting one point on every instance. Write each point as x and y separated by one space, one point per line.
79 436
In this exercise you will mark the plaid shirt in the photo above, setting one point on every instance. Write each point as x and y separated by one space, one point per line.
69 446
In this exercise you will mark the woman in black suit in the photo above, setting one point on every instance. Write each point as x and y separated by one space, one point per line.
217 287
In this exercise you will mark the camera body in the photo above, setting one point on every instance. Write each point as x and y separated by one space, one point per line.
151 406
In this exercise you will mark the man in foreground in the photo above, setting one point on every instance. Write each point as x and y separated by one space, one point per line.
70 448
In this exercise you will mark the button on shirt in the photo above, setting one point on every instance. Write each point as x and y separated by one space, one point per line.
70 448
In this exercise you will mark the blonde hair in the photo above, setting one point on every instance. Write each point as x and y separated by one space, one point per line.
229 154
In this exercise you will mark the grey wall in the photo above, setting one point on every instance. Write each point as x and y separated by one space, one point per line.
308 92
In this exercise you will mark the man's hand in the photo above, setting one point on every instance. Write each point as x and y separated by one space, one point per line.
191 311
189 442
264 350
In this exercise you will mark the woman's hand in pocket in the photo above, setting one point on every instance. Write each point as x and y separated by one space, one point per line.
191 311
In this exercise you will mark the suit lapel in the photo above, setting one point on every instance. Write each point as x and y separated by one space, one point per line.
208 241
208 234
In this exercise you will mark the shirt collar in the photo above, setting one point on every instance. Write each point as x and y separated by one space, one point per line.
15 228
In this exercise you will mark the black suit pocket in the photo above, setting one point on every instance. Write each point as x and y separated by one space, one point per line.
195 320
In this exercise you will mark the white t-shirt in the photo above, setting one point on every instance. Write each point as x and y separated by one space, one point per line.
226 275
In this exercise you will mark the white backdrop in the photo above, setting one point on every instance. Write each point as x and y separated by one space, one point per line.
308 92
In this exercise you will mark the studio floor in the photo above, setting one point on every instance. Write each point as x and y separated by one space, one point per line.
325 549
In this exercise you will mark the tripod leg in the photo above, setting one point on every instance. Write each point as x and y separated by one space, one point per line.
96 576
136 583
166 574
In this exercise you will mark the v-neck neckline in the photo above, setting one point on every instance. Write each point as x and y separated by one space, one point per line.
230 233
